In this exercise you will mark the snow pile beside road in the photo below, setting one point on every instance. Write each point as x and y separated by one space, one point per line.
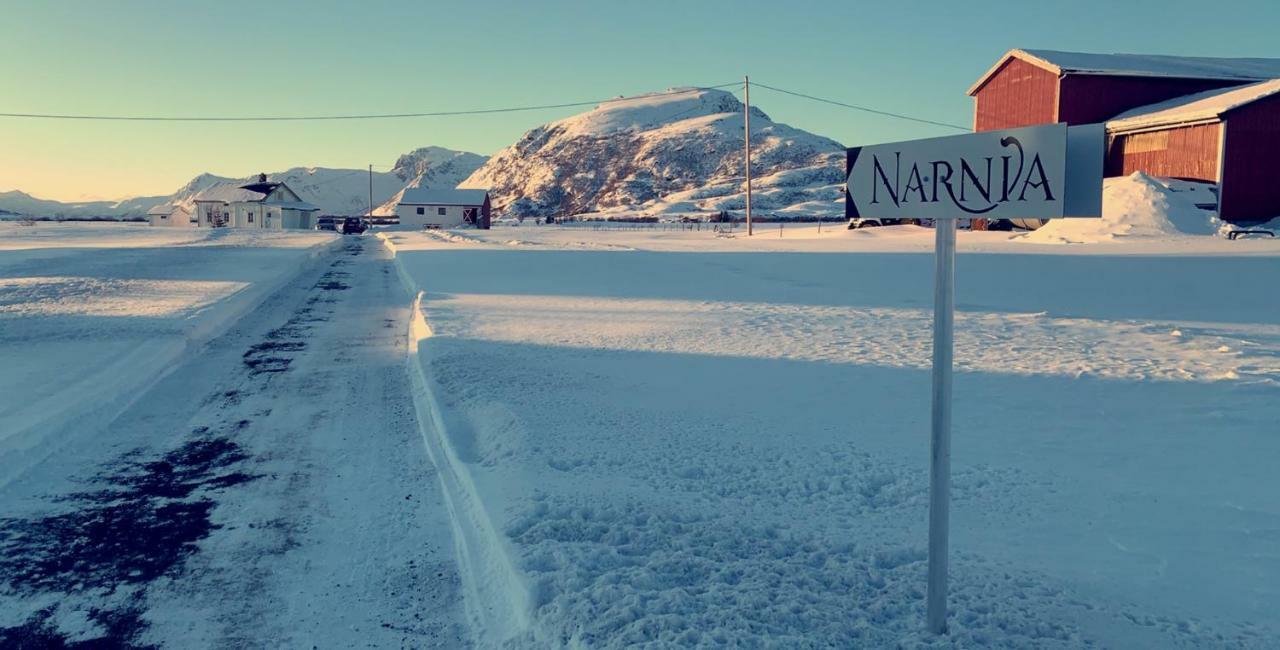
1134 206
90 315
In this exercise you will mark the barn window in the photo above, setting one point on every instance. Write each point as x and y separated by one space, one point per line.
422 210
1147 142
440 211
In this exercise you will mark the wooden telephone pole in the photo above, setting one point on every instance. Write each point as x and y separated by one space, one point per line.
746 125
370 191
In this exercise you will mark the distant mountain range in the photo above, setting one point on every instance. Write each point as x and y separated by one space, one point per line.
673 152
334 191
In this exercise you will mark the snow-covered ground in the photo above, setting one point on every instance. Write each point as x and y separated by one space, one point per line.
90 315
271 491
683 437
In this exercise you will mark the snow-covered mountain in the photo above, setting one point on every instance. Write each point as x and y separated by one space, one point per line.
16 202
678 151
334 191
433 167
673 152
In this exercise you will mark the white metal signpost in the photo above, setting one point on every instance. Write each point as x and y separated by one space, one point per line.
1039 172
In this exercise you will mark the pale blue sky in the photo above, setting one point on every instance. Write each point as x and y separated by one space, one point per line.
267 57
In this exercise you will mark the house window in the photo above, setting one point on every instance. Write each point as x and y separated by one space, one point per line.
440 211
250 217
164 216
422 210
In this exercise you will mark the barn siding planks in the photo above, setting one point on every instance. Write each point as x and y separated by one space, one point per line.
1189 152
1018 94
1089 98
1251 183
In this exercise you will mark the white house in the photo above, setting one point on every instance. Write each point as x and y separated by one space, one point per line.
427 208
171 215
262 204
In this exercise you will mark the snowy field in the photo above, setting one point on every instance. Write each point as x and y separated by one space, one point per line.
680 437
93 314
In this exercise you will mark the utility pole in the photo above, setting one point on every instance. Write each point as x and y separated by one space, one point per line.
370 191
746 126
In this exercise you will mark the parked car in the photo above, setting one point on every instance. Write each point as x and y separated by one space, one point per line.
857 223
354 226
327 223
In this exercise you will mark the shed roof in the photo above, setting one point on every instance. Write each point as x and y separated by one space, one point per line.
425 196
1140 65
1209 105
166 209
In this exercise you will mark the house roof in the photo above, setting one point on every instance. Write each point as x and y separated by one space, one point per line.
1140 65
166 209
264 187
424 196
1205 106
228 192
294 205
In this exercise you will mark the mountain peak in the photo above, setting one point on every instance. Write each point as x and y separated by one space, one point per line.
678 151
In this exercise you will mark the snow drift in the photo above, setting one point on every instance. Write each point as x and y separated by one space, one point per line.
1135 206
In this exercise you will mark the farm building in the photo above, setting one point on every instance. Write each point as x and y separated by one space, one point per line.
170 215
262 204
427 208
1194 118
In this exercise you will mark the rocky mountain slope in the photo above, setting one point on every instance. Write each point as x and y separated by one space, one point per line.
674 152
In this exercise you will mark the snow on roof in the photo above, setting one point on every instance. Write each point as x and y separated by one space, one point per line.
1191 108
425 196
294 205
228 193
165 209
1141 65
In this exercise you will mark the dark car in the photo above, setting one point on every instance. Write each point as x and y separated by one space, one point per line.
354 226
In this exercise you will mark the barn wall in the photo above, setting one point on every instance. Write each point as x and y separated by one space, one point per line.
1089 98
408 213
1018 94
1189 152
1250 187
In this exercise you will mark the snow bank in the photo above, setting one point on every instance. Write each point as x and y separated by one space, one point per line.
91 315
1134 206
724 442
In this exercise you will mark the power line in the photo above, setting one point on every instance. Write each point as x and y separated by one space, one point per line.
312 118
865 109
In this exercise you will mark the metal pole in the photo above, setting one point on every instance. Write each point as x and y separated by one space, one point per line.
944 306
746 126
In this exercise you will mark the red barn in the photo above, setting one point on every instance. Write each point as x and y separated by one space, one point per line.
1195 118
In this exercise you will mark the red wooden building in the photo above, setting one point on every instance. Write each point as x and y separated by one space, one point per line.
1195 118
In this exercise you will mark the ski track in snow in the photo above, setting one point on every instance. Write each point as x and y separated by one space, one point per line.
729 472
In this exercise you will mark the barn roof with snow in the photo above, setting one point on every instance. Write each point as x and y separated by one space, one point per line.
425 196
1199 107
1139 65
1214 120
